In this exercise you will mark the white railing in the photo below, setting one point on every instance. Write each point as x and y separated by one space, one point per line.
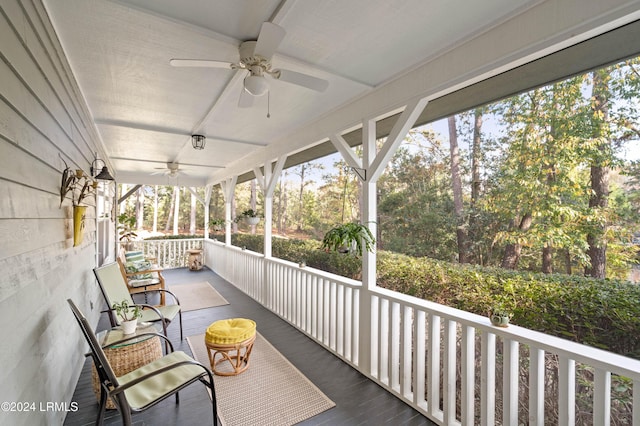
170 253
452 366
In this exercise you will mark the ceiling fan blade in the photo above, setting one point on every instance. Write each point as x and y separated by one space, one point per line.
303 80
199 63
245 100
270 37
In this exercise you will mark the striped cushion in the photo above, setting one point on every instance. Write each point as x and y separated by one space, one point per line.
140 265
133 256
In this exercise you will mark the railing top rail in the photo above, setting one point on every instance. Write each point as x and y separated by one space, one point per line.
318 272
595 357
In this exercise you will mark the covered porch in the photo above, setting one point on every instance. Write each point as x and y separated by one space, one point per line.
86 83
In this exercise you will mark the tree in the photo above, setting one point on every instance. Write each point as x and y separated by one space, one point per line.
456 186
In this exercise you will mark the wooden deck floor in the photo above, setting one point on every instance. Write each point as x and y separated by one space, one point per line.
359 401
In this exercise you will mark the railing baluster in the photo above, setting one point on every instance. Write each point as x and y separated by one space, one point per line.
449 372
407 351
468 375
488 379
511 363
433 378
536 387
566 391
602 397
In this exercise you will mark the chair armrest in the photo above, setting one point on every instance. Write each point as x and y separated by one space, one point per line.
162 370
146 271
117 342
175 298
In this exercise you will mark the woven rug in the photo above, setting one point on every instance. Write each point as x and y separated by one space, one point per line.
197 296
272 392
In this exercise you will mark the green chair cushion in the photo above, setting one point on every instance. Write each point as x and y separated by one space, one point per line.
150 390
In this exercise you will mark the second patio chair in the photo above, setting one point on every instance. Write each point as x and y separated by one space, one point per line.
114 289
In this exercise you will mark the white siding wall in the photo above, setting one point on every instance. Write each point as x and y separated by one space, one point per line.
42 115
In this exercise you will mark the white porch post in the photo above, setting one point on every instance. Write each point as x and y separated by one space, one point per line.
228 188
267 183
369 170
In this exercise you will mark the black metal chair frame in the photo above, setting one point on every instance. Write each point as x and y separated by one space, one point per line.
111 388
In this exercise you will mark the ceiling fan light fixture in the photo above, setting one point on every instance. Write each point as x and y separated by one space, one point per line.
256 85
198 141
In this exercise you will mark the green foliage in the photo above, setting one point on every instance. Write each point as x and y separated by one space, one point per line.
126 223
600 313
352 238
126 312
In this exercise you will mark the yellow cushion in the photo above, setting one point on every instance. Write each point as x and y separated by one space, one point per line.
228 331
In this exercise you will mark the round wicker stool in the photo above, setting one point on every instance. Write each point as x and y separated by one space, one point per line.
230 340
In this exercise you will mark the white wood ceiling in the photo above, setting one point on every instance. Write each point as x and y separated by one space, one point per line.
376 54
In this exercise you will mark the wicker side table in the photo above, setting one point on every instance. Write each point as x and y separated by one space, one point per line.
127 356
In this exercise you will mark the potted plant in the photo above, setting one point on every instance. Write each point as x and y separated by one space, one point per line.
129 316
80 186
352 238
250 216
500 316
217 224
126 222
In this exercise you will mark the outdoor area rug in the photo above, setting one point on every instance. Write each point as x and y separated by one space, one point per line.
197 296
271 392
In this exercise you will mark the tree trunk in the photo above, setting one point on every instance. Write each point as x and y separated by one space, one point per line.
176 213
155 209
599 199
140 208
476 160
513 250
567 262
192 216
167 226
252 202
456 184
300 223
547 259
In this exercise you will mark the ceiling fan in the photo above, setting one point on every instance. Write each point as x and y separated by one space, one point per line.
255 57
172 170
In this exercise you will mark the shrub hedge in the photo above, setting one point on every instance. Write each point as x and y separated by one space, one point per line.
600 313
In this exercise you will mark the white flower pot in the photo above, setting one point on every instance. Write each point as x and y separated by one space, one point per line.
252 220
129 327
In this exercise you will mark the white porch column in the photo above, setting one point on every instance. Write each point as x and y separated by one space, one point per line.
228 188
369 171
267 183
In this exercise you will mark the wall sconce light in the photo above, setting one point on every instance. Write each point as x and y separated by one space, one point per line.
198 141
104 173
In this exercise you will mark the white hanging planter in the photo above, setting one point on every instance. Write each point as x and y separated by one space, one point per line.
252 220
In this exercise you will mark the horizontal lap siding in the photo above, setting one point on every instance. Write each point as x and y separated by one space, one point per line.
42 118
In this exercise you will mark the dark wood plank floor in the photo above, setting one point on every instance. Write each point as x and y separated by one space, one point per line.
359 401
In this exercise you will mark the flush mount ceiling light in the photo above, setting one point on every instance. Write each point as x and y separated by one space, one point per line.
198 141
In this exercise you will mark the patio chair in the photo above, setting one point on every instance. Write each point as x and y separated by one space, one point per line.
140 274
114 289
144 387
